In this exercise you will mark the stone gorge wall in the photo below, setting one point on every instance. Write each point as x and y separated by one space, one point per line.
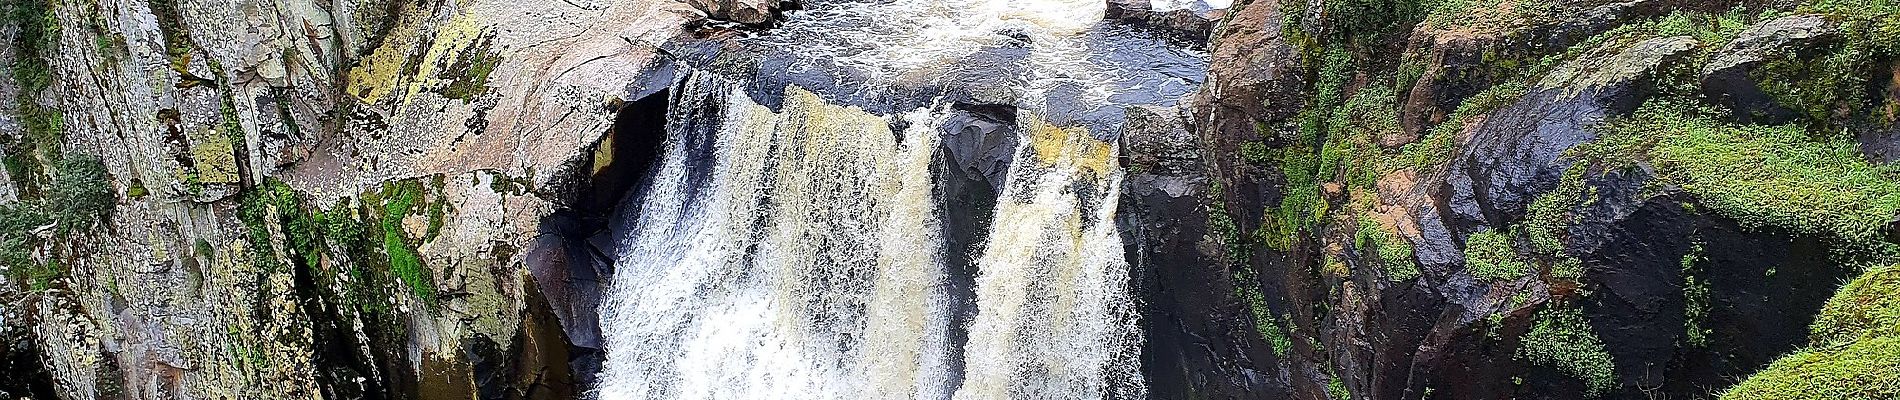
300 199
1535 199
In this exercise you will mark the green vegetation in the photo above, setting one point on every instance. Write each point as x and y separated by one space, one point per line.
1562 338
1695 299
1489 256
80 196
1764 176
399 200
1855 350
1711 29
42 129
1336 389
1395 254
1867 307
475 64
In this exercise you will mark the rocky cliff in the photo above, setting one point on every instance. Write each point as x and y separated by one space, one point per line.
1448 199
257 199
1533 199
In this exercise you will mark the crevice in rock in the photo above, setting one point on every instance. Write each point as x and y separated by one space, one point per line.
572 260
979 141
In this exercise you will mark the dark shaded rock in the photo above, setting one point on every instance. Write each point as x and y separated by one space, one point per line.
1198 343
571 268
1881 146
1763 287
1185 23
20 363
749 13
1726 80
1515 154
974 157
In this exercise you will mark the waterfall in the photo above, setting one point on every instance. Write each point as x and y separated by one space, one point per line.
797 254
790 242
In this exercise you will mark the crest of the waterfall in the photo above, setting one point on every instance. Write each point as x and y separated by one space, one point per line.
795 251
797 254
801 264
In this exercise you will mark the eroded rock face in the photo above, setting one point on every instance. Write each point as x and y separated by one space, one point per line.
1636 261
1460 61
1199 342
1516 153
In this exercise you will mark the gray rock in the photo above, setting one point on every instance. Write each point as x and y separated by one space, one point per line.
1726 77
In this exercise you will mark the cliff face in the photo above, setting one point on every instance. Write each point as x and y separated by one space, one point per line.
1367 199
255 199
1526 199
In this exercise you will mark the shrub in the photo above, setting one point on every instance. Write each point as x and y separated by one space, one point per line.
1562 338
1490 257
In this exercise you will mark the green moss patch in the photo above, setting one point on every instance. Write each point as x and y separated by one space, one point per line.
1764 175
1868 306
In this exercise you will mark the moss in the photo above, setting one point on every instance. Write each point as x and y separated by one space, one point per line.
1563 339
1256 153
1243 276
1713 30
36 37
1867 307
474 65
1336 388
1862 370
1549 217
1490 256
136 189
399 200
1855 349
1764 175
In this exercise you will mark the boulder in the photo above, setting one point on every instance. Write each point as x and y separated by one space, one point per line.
1515 153
1457 62
1726 76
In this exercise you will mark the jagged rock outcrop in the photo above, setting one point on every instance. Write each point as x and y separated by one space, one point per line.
306 199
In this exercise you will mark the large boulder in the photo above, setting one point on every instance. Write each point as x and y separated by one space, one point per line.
1726 78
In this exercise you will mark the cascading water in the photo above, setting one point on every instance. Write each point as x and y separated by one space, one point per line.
796 250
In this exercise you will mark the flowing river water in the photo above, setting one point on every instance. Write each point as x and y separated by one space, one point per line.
790 243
